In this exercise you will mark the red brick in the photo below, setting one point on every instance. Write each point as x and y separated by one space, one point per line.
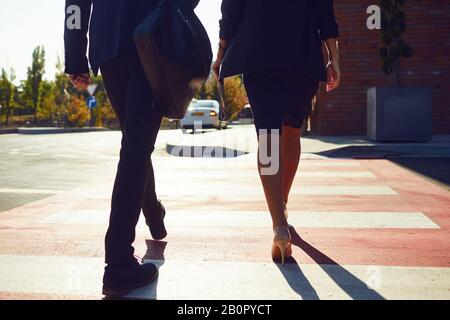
428 32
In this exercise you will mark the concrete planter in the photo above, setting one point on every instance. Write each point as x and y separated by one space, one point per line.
399 114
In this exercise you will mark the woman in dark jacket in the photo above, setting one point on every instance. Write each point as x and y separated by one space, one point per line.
277 45
112 50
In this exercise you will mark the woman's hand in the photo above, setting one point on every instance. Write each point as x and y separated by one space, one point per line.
223 45
333 75
216 66
80 81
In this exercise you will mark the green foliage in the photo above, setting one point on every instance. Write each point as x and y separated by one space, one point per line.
7 94
33 85
393 28
235 96
77 112
104 115
55 102
46 106
60 92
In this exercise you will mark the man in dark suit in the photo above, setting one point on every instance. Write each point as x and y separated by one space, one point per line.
112 50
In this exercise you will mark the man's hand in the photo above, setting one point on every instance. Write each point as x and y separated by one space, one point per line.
80 81
333 75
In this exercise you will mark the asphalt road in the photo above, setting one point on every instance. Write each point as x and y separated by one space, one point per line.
34 166
38 166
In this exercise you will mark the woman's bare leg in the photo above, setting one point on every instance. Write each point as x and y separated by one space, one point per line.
291 151
272 183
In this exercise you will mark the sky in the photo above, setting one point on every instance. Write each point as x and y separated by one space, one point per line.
26 24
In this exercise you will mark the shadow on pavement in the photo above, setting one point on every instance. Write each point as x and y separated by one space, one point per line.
203 152
354 287
297 280
436 169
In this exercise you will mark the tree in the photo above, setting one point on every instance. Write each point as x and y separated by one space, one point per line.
7 93
34 84
208 91
392 30
234 94
61 87
47 106
104 113
77 112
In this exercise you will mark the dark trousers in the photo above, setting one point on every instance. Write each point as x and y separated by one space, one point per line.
134 104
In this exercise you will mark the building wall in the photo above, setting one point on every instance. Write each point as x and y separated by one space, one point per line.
428 32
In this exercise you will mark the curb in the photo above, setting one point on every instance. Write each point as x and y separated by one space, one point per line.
9 131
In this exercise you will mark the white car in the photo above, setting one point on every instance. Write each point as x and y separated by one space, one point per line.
202 114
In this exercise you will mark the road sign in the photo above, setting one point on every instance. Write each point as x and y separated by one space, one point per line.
91 89
91 102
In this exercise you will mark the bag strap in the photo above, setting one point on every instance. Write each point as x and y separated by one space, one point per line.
222 112
162 3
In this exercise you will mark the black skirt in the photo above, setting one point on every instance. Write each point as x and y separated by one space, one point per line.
278 100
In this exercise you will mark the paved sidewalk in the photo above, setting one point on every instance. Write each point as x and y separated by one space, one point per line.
364 229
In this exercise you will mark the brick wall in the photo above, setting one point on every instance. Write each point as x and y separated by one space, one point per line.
428 32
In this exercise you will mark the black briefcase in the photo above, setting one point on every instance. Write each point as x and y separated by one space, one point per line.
175 50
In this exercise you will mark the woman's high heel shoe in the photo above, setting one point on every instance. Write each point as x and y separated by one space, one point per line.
282 242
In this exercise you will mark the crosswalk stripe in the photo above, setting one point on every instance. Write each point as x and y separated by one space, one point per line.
255 219
30 191
66 156
336 174
107 157
82 276
245 162
254 174
199 189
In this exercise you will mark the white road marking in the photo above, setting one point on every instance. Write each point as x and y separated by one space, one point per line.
254 174
256 219
237 280
30 191
248 160
204 190
107 157
67 156
336 174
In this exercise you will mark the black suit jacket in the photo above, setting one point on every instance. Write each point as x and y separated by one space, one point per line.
111 27
276 36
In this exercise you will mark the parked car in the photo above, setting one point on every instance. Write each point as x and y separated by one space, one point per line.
204 112
245 116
